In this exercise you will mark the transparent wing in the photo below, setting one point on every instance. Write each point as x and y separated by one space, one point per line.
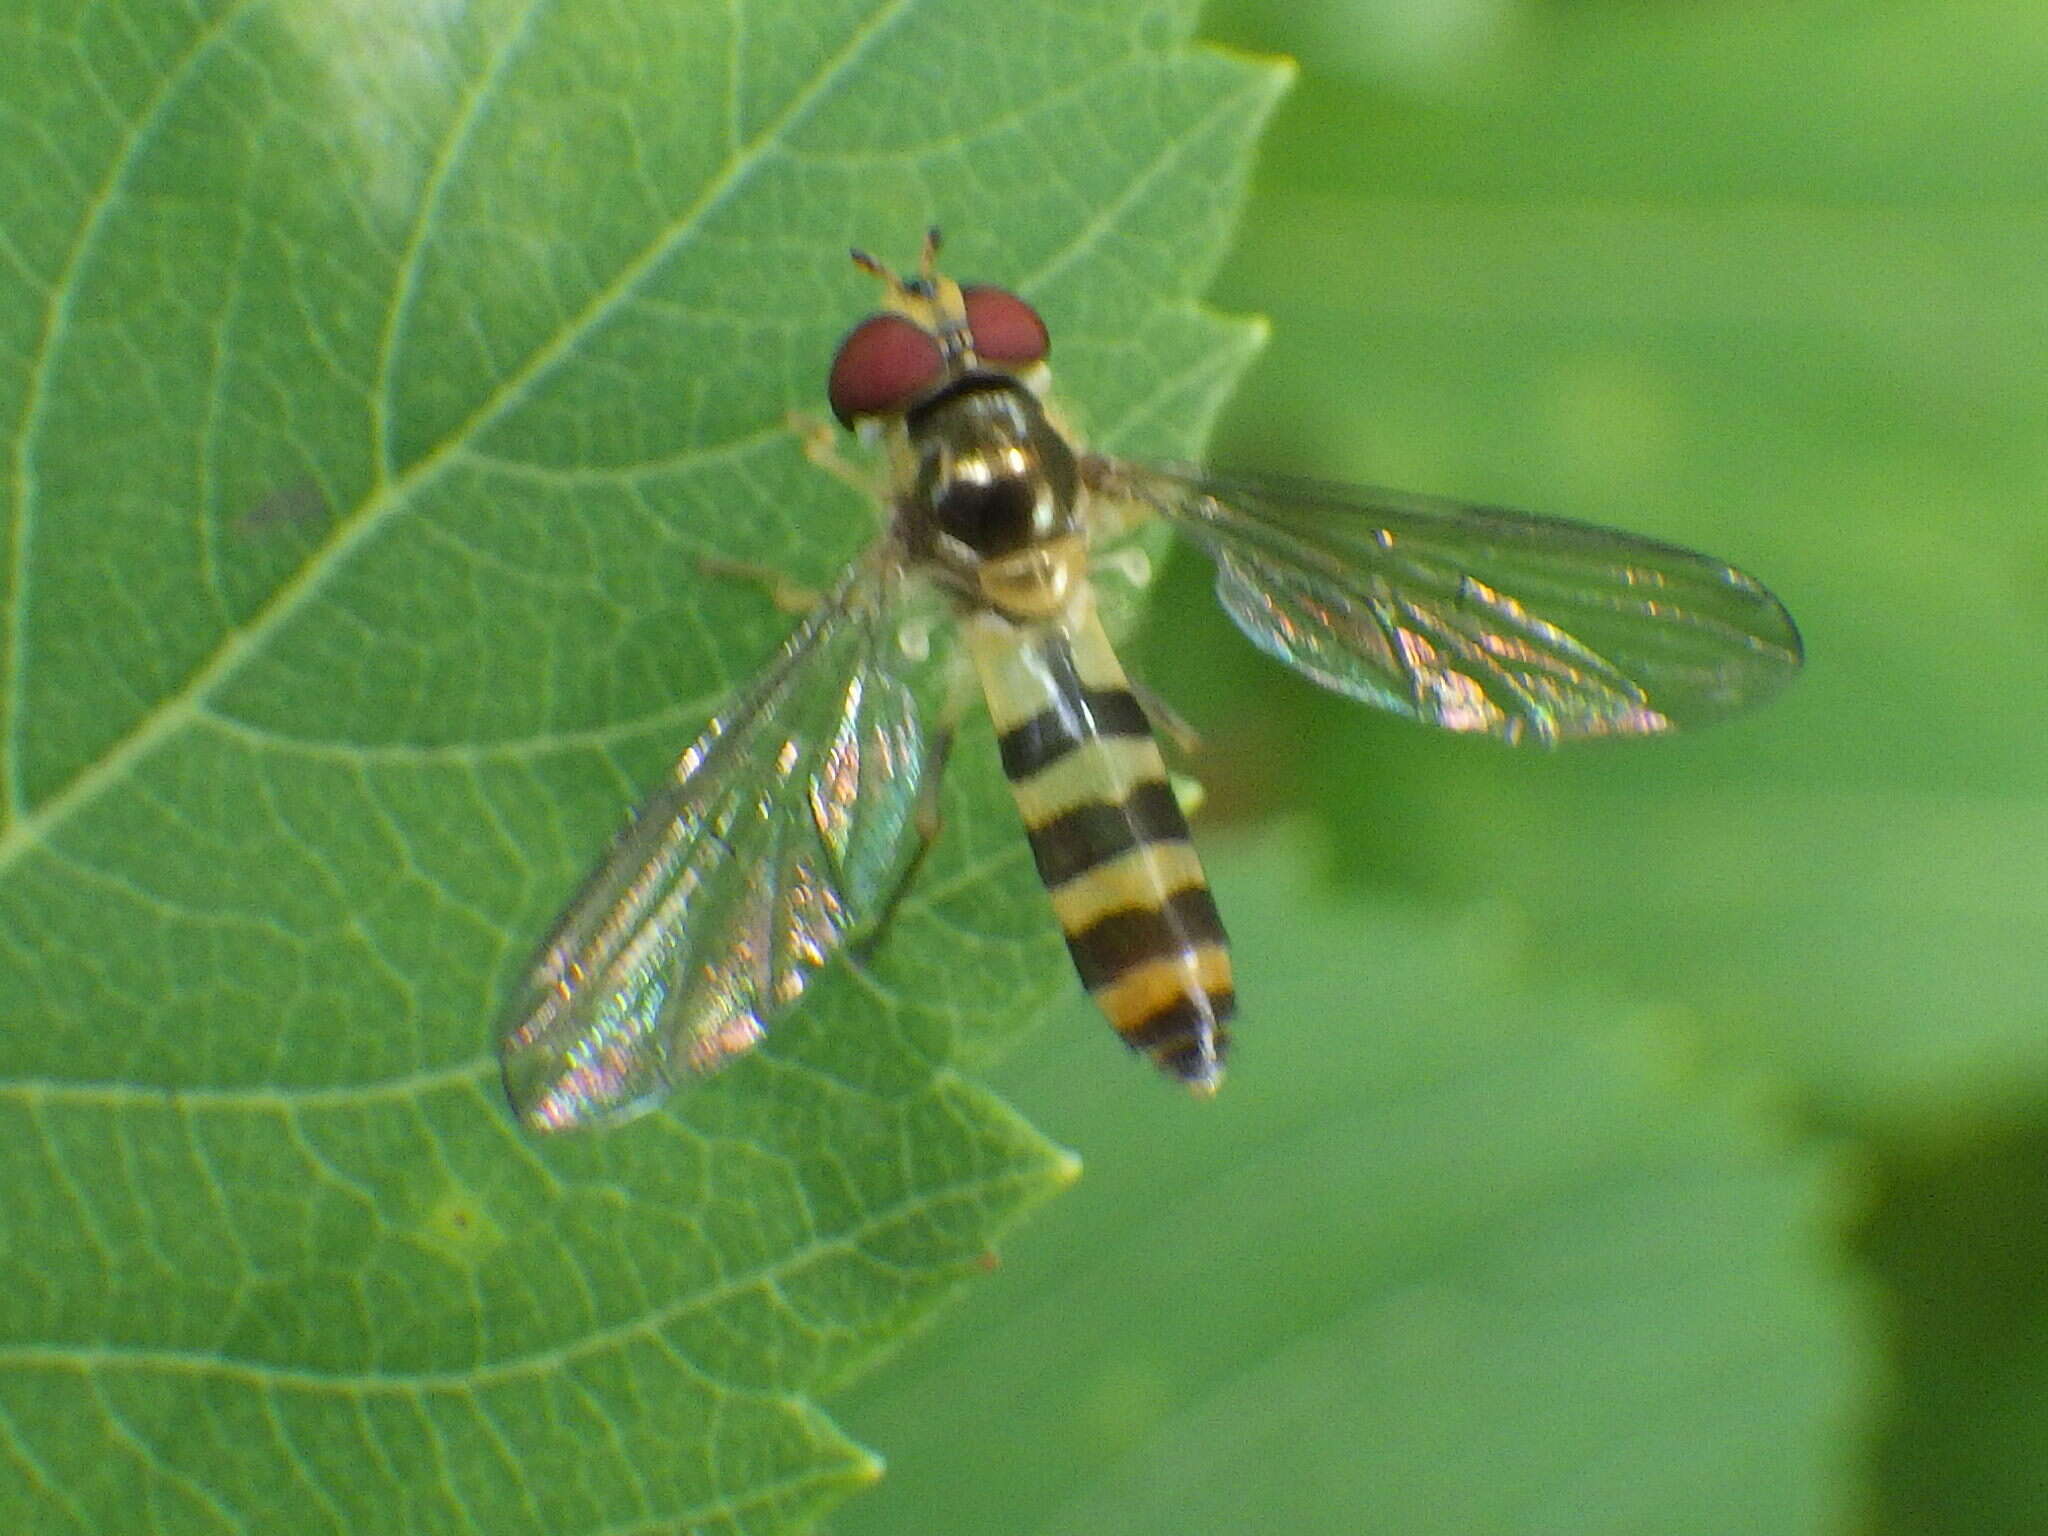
1471 618
779 832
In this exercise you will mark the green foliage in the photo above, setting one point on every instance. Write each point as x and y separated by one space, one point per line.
376 376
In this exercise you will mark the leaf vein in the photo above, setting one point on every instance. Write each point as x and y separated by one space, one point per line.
438 1444
306 1469
511 749
122 1432
448 159
1109 215
48 341
18 1447
651 1327
684 462
117 1094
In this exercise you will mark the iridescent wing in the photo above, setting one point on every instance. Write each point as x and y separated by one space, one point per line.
1474 619
780 831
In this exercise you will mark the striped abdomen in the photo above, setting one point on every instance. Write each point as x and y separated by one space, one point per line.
1111 843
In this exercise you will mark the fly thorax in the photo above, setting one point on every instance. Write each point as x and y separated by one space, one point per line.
993 504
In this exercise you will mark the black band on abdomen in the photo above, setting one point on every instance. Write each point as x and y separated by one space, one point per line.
1051 734
1075 841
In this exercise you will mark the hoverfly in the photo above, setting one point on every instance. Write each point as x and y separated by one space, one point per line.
793 821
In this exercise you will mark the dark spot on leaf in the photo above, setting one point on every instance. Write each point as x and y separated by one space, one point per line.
301 502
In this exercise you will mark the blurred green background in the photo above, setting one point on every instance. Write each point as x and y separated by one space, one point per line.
1765 279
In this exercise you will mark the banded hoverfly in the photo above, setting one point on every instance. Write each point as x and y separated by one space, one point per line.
792 823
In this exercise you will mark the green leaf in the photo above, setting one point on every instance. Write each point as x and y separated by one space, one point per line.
376 376
1458 1249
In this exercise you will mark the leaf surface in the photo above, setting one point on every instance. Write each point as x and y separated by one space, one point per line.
375 377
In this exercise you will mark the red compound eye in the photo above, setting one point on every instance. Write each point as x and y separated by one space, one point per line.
884 364
1007 331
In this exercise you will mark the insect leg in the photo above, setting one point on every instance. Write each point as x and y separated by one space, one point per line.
926 818
791 597
926 822
1166 717
820 443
